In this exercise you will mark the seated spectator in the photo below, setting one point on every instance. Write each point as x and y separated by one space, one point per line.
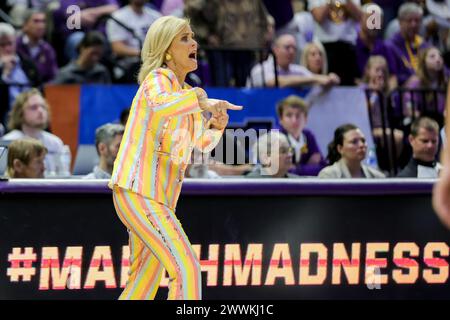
289 74
302 27
89 13
16 70
20 9
393 27
274 156
336 23
293 115
87 68
369 43
431 75
126 40
346 154
407 42
376 79
107 143
314 58
29 117
26 159
424 140
31 44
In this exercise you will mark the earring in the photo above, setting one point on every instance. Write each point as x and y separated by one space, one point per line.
168 57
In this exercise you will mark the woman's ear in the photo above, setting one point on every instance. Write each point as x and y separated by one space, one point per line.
18 166
339 149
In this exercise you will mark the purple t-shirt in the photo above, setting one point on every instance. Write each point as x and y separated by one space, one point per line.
45 60
61 16
302 168
380 48
405 70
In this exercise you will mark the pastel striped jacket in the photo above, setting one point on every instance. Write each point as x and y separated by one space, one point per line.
164 126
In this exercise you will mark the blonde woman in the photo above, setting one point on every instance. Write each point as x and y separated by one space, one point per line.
164 125
314 58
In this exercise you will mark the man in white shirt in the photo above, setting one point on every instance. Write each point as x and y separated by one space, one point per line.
29 117
289 73
424 140
135 16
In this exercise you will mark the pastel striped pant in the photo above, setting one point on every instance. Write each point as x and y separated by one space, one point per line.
157 240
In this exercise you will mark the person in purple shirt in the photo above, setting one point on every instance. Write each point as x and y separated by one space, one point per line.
369 42
432 75
89 12
31 44
292 115
407 43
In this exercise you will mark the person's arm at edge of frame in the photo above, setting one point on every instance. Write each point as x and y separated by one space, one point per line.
441 190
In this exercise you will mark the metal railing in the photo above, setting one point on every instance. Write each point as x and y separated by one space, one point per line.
397 110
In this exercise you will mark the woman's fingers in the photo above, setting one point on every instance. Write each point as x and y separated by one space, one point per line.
231 106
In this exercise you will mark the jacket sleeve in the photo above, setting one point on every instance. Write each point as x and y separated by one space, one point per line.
158 91
209 138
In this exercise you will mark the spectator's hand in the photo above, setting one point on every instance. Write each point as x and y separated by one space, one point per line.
213 40
8 62
88 17
334 78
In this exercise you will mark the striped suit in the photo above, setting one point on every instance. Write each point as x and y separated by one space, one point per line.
164 126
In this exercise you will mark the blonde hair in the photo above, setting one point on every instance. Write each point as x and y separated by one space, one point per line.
158 39
15 116
24 150
305 53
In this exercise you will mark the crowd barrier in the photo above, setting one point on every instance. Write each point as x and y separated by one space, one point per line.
256 239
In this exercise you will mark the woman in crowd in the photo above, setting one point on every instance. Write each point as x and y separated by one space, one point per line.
346 154
376 82
431 75
314 58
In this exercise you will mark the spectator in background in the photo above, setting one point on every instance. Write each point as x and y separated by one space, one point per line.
424 140
369 43
88 12
314 58
87 68
346 154
376 80
431 75
302 26
229 24
292 115
30 117
172 8
336 25
26 159
126 40
20 9
274 156
393 26
107 143
289 73
407 42
14 69
31 44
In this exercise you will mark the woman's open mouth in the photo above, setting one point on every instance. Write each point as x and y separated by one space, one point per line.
193 56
